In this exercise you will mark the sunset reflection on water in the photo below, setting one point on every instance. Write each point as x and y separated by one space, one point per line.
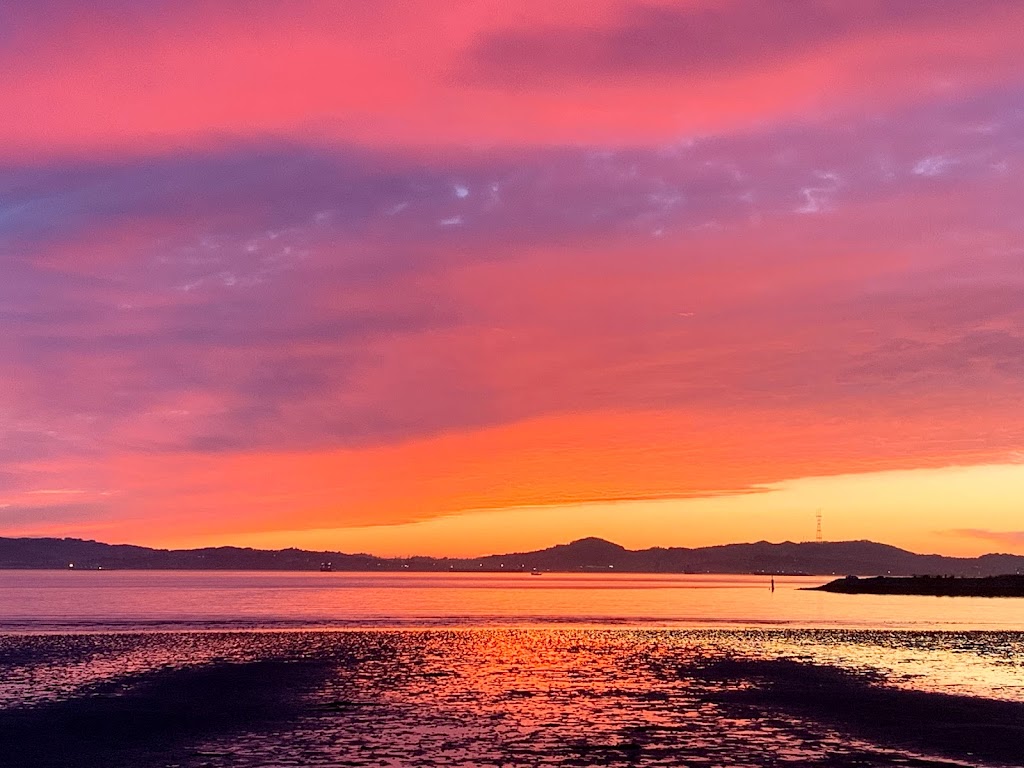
499 669
473 697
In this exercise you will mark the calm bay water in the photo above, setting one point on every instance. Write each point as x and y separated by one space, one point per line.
132 600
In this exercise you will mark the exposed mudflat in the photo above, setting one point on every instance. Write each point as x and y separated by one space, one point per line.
473 698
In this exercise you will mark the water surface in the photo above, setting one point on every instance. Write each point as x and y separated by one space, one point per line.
106 600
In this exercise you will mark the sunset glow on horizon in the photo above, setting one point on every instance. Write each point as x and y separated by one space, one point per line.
476 277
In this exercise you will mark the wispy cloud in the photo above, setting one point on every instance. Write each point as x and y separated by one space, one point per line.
1008 538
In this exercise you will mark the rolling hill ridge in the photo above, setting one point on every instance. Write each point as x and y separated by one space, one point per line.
862 558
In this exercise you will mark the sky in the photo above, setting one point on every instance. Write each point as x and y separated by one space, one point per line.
408 277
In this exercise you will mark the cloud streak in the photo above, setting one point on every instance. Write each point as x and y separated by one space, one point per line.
705 38
1007 538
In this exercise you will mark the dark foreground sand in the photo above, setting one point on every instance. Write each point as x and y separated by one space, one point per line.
959 727
495 698
158 718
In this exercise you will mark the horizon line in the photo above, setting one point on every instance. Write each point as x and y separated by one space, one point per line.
504 554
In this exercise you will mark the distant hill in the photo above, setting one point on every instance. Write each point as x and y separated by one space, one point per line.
861 558
826 558
78 553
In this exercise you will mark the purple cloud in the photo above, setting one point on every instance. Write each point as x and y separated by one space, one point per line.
285 296
247 202
699 39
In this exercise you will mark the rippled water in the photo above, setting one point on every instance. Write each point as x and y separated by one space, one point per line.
507 669
506 696
989 664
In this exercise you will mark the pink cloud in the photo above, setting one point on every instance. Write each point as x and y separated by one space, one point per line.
303 243
382 74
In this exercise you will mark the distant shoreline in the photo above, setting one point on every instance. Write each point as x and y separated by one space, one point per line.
1011 585
391 570
826 559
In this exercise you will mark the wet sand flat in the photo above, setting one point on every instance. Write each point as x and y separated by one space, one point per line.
480 697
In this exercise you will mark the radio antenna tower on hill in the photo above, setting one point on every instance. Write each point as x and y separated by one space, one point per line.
817 530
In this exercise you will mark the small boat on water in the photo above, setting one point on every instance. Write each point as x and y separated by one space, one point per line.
535 572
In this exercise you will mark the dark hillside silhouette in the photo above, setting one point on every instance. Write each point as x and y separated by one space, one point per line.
862 558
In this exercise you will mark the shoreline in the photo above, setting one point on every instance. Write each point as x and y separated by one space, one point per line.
513 624
1010 585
